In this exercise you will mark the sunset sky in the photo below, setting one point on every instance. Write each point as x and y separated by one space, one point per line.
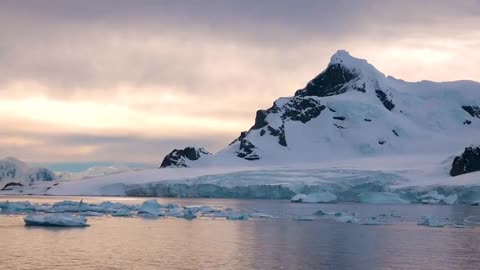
131 80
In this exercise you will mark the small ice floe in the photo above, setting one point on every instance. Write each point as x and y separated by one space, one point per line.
8 207
432 197
237 216
347 219
319 197
202 208
304 218
56 220
122 213
449 200
259 215
321 213
150 208
112 207
373 222
381 198
188 214
430 222
472 220
91 214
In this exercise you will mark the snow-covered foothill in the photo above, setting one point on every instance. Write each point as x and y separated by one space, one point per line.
55 220
16 175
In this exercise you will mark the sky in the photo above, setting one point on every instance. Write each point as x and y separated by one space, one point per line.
128 81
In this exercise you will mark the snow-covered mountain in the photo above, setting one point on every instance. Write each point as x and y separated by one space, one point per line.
351 134
353 110
14 172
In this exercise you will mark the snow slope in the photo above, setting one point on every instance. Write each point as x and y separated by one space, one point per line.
350 130
14 172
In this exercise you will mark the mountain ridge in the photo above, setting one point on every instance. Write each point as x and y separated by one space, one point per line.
352 110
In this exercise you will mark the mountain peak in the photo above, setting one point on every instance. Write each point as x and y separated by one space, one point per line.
342 72
356 65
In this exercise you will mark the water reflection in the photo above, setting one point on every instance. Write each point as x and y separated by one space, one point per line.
137 243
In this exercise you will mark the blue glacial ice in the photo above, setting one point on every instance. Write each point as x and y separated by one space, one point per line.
55 220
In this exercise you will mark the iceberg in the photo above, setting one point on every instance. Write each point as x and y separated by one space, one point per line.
189 214
16 207
430 222
452 199
381 198
320 197
432 197
150 207
56 220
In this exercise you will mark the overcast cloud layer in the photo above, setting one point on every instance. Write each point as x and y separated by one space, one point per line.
131 80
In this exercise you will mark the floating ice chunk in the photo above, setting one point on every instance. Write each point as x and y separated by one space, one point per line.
347 219
432 197
373 222
430 222
472 219
111 207
260 215
321 213
59 220
236 216
304 218
69 206
452 199
91 214
320 197
150 207
16 207
122 213
202 208
381 198
174 212
298 198
189 214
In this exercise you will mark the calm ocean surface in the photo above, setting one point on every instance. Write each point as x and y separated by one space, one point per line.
279 243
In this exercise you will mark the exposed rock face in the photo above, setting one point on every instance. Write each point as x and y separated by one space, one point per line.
11 186
328 83
385 99
468 162
247 150
474 111
179 157
302 109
